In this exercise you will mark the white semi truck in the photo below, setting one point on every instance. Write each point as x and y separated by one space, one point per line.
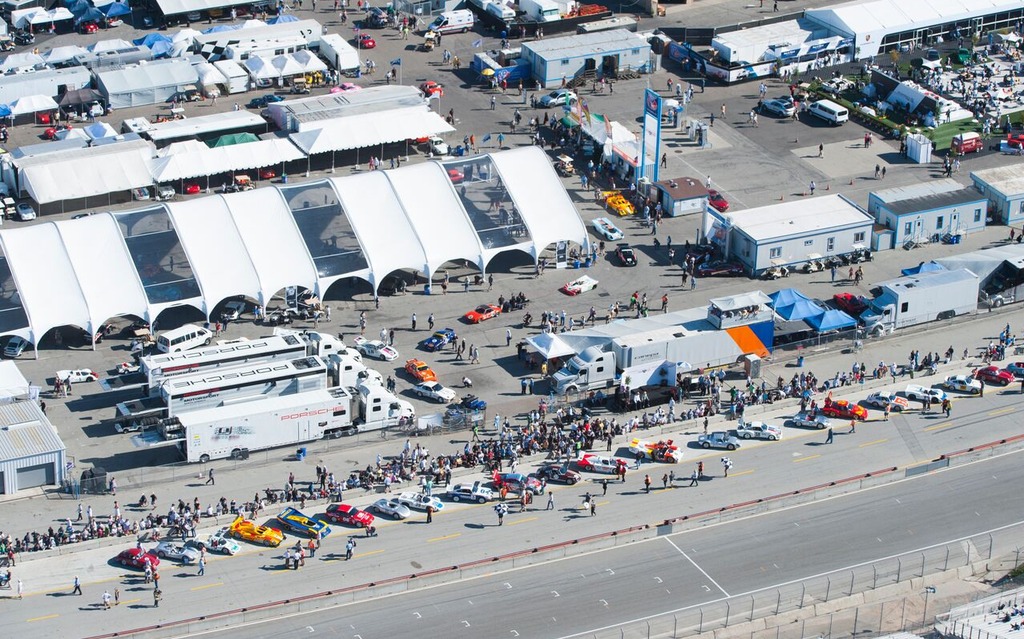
237 430
917 299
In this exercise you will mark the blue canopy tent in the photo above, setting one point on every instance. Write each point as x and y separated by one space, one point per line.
77 7
800 310
162 49
923 267
91 14
115 9
786 297
5 111
831 320
152 39
221 28
281 18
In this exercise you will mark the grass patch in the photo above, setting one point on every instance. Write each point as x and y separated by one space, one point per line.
943 134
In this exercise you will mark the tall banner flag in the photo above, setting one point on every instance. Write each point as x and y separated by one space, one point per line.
650 145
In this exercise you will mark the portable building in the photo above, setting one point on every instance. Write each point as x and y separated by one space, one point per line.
338 52
920 212
554 60
31 452
48 82
681 196
213 46
238 78
1003 186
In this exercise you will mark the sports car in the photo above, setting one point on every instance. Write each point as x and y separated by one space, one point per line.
435 391
661 450
516 482
78 375
294 520
127 368
597 464
962 384
376 349
852 305
810 420
844 409
176 551
719 269
917 393
137 558
717 201
758 430
881 399
267 174
264 100
365 41
561 474
1016 369
620 205
88 27
481 313
419 501
221 542
348 515
471 492
781 107
430 88
718 439
579 285
992 375
604 227
192 188
419 369
456 176
626 255
391 508
439 339
247 530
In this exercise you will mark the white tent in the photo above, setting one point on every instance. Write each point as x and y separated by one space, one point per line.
99 130
115 44
33 104
370 129
144 83
23 18
72 134
260 68
17 61
309 61
285 65
88 172
185 35
210 76
203 161
63 54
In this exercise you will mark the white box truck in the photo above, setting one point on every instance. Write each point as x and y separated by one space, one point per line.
925 297
338 52
541 10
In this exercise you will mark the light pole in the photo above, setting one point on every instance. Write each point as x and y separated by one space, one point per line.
927 591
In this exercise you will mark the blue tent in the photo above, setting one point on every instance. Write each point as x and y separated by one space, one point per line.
221 28
284 17
831 320
161 49
801 309
5 111
92 14
923 267
115 9
786 297
151 39
78 7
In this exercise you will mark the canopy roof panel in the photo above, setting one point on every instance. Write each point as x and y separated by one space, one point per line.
201 161
160 260
326 229
369 129
497 222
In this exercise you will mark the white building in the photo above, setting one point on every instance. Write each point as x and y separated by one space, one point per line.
920 212
1004 188
553 60
31 452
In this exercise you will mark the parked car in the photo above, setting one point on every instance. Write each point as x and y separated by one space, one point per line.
1016 369
604 228
481 313
420 371
844 409
810 420
232 310
176 551
438 146
78 375
993 375
391 508
264 100
781 107
25 211
419 501
852 305
430 88
579 285
718 439
165 192
88 27
517 483
15 347
717 201
376 349
141 194
137 558
435 391
23 38
962 384
598 464
881 399
558 97
222 543
248 530
471 492
758 430
626 255
365 41
439 339
559 474
297 522
348 515
660 451
719 269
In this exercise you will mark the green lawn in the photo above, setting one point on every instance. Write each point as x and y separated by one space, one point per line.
944 133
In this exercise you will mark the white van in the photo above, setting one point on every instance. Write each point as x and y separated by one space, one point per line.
829 111
500 11
452 21
182 339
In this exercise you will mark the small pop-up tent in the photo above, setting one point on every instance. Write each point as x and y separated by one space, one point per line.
831 320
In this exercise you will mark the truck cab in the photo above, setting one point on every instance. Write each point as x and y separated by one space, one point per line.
593 368
379 408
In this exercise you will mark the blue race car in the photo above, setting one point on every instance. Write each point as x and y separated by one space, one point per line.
439 339
298 523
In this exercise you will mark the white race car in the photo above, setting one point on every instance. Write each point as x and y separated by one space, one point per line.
471 492
376 349
604 227
579 285
78 375
758 430
962 384
881 399
916 392
598 464
435 391
808 420
221 542
419 501
127 368
391 508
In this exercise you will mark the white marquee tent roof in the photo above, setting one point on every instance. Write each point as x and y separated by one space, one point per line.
199 160
367 129
892 16
87 172
199 252
33 104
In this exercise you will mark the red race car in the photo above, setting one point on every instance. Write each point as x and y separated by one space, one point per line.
718 202
267 174
429 88
849 303
993 375
456 176
137 558
191 188
88 27
348 515
364 41
843 409
481 313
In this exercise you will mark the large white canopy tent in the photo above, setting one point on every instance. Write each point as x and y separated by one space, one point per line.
199 160
199 252
87 172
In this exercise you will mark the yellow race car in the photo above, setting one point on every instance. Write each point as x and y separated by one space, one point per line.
620 205
246 529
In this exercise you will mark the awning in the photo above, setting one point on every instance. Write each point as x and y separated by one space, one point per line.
786 297
831 320
16 61
204 124
226 159
550 346
741 301
371 129
33 104
80 96
800 310
232 139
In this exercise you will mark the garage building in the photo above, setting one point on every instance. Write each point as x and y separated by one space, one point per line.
920 212
601 54
681 196
785 234
31 452
1004 188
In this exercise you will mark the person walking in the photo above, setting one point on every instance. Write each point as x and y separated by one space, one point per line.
551 501
947 407
500 510
693 478
106 600
604 487
700 469
828 439
647 484
117 596
21 589
414 321
821 150
508 337
78 586
202 565
853 426
350 546
430 322
726 465
593 507
209 478
833 271
813 186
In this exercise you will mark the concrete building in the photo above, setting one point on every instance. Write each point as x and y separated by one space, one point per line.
1004 188
31 452
785 234
681 196
604 53
925 212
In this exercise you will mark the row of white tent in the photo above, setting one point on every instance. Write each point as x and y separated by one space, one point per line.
202 251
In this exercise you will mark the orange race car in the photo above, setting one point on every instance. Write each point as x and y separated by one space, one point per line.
419 369
248 530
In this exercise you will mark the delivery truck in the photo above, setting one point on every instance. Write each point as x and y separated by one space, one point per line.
917 299
541 10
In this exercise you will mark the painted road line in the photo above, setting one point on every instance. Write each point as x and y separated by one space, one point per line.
877 441
1002 411
42 618
521 521
807 458
742 472
205 586
372 552
940 426
430 541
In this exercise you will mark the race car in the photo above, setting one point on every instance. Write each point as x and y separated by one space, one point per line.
993 375
137 558
560 474
604 227
844 409
918 393
176 551
962 384
881 399
439 339
435 391
127 368
620 205
419 369
221 542
471 492
419 501
391 508
376 349
579 285
758 430
247 530
481 313
78 375
717 201
662 450
598 464
1016 369
719 269
294 520
718 439
264 100
810 420
626 255
430 88
349 515
517 482
365 41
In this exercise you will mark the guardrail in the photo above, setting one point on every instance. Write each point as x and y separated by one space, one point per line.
892 571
